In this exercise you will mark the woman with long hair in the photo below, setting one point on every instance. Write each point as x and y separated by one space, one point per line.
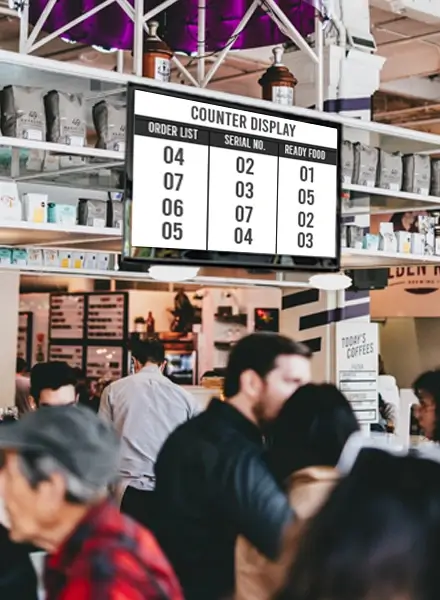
377 537
306 443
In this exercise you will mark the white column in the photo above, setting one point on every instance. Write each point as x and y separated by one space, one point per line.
351 76
307 316
10 303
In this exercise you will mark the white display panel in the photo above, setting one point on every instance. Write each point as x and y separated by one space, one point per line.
217 178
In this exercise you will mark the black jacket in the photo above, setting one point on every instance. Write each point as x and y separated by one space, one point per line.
18 580
212 485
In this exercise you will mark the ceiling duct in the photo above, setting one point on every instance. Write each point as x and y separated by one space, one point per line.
427 11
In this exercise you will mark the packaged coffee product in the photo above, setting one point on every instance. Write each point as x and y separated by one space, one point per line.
417 243
365 165
66 118
435 177
347 162
387 239
371 242
117 214
22 113
426 225
389 170
109 122
403 242
92 213
355 236
437 240
416 174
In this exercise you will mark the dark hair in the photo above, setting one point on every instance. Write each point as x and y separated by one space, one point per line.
51 376
377 536
430 382
150 350
258 352
20 365
311 430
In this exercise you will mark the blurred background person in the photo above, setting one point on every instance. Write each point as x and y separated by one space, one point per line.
376 538
307 439
427 390
212 482
144 409
23 401
18 579
58 465
53 384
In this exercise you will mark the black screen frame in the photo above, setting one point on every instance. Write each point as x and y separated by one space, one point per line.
301 264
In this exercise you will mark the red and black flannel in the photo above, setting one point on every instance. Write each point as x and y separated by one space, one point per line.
109 557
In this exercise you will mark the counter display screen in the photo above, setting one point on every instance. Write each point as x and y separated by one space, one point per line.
221 183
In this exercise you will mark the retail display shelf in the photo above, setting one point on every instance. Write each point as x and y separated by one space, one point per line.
17 68
375 258
25 234
374 191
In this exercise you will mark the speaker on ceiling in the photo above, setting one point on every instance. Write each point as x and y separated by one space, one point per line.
368 279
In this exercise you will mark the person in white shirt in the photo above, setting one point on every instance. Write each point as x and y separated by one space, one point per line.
23 401
144 409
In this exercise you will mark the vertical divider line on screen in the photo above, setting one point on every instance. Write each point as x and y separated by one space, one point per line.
278 193
207 190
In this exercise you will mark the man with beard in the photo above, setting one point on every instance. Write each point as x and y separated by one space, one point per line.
212 483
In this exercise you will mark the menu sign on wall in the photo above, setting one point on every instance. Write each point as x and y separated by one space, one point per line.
24 339
73 355
104 362
106 317
357 350
66 317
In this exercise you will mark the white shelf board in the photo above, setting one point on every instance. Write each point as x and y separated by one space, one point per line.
374 191
24 233
135 276
85 151
351 258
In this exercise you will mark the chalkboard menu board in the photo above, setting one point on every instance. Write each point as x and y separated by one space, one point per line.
105 362
106 316
66 320
73 355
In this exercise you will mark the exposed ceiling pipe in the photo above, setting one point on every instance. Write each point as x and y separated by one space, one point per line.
423 37
407 112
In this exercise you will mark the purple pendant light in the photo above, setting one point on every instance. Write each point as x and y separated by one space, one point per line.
112 28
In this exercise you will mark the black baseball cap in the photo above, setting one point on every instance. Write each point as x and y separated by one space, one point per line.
76 438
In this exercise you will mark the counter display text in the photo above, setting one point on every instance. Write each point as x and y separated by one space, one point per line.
230 180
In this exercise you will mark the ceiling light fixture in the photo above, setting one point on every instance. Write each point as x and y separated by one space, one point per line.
172 274
330 282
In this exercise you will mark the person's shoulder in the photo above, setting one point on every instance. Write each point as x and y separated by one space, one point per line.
127 555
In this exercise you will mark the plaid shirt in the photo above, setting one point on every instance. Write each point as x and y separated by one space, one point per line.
109 557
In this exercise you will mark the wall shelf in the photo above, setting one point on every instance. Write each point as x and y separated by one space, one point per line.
24 234
370 259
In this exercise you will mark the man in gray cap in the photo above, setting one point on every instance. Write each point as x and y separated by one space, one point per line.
57 465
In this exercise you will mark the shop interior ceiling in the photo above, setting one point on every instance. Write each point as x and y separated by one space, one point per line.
410 89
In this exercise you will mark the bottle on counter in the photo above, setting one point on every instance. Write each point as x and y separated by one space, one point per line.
151 324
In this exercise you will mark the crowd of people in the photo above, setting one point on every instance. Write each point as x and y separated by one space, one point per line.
133 492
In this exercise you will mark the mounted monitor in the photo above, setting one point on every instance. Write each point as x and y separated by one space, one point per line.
223 183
